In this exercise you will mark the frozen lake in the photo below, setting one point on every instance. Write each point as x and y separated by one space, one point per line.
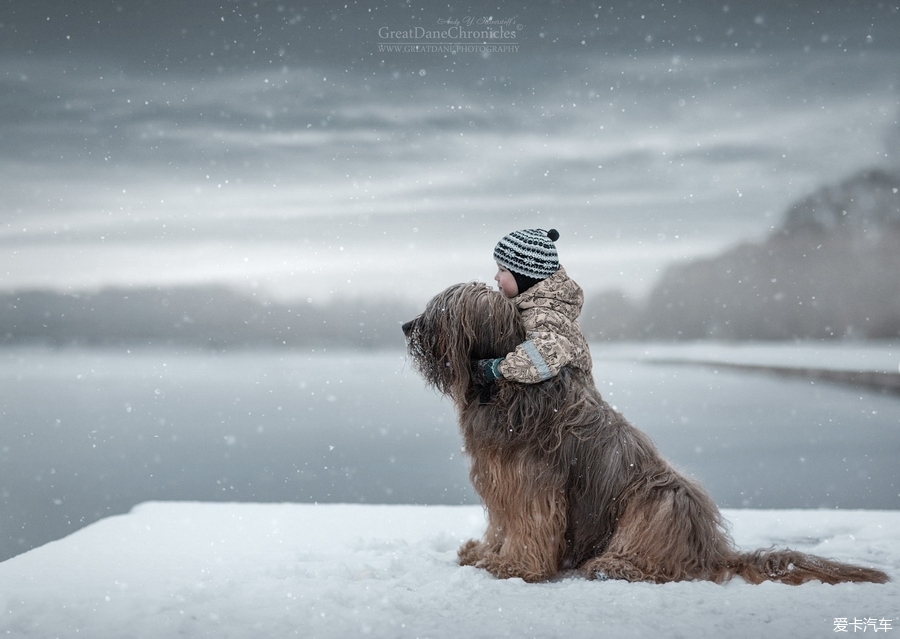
90 433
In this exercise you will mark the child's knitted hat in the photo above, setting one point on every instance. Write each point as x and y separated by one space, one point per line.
529 255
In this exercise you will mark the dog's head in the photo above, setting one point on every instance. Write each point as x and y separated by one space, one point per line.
464 323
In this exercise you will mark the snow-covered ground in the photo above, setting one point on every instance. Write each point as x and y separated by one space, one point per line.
172 569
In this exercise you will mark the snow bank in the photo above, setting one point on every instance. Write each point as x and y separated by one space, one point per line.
280 570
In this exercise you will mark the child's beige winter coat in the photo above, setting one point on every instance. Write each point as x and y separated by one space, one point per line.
550 311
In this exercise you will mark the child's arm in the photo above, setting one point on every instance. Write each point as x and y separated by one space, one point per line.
537 359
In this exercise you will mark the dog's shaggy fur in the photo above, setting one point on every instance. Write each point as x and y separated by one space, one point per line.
567 482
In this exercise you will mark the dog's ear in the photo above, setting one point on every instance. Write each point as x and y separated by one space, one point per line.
496 323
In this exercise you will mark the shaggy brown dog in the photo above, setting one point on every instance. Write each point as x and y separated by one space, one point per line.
566 481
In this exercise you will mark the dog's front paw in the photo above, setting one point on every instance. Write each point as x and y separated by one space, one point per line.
603 569
504 569
471 552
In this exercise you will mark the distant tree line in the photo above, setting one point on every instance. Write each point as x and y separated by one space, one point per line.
216 317
831 271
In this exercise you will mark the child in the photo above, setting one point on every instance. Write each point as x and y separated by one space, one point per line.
549 303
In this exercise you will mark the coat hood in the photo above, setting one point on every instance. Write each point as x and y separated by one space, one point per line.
558 292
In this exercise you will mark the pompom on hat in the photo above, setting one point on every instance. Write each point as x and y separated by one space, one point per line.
529 255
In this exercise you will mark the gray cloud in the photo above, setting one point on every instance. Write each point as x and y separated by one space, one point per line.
415 164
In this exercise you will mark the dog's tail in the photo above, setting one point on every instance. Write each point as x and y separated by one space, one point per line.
794 568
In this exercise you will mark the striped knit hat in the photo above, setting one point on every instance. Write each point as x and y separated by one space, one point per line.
529 255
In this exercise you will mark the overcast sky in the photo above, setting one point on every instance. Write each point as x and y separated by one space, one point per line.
289 150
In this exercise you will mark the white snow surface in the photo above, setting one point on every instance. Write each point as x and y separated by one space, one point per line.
182 569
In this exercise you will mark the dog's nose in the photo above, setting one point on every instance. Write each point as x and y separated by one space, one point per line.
407 328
